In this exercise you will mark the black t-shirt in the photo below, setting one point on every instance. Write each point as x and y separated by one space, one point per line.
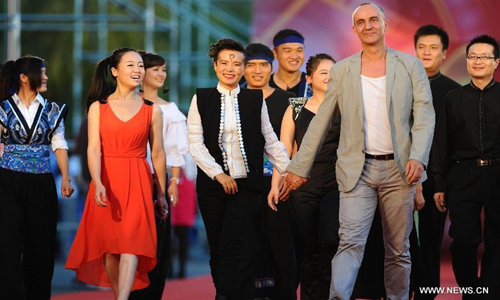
298 89
277 103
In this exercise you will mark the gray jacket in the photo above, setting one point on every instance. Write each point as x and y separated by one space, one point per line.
409 107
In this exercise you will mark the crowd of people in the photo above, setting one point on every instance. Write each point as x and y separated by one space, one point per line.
306 179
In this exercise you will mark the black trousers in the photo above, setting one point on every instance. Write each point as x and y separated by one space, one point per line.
28 219
181 234
158 275
228 219
470 189
431 229
277 256
316 213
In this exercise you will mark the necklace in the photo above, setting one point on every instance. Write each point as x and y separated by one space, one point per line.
238 126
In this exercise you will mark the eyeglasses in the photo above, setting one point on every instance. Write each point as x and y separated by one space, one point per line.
479 57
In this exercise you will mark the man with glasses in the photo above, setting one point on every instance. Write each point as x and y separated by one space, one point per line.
466 165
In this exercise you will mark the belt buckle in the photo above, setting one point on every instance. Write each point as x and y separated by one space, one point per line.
483 162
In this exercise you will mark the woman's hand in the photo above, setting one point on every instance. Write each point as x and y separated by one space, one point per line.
66 187
173 193
163 205
273 198
100 195
228 183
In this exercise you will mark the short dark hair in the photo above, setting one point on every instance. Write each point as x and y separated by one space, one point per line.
256 49
286 32
432 30
224 44
313 62
151 59
484 39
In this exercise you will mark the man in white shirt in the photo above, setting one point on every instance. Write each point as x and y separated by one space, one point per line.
387 124
228 131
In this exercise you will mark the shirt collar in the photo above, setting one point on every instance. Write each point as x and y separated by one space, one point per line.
435 76
225 91
38 98
492 82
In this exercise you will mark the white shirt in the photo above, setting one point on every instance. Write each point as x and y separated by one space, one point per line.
58 141
376 125
273 148
174 135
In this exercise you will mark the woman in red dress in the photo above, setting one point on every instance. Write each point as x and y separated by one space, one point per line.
116 242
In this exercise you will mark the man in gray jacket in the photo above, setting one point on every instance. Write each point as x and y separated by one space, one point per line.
387 125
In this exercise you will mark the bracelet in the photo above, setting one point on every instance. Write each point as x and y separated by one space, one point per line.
175 179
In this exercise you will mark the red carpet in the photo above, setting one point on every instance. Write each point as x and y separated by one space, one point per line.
197 288
201 288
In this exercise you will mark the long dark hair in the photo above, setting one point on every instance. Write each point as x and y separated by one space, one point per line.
30 66
153 60
101 86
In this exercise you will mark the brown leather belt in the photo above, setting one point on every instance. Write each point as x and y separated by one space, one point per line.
380 156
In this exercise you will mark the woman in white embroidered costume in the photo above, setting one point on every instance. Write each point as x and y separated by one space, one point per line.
30 126
175 145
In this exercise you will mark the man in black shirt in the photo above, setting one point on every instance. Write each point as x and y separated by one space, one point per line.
466 165
289 51
431 43
276 226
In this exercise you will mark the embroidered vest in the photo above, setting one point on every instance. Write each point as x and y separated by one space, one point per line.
27 149
250 107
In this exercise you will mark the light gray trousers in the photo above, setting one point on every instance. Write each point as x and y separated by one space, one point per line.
380 184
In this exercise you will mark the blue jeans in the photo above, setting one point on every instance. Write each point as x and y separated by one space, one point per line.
380 184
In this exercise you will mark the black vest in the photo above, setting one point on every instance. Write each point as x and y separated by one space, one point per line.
250 104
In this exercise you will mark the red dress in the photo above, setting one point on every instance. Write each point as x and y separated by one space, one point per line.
127 224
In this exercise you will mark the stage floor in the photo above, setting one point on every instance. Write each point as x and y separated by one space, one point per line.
201 288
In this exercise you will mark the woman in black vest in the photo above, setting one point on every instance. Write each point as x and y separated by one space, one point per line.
228 130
